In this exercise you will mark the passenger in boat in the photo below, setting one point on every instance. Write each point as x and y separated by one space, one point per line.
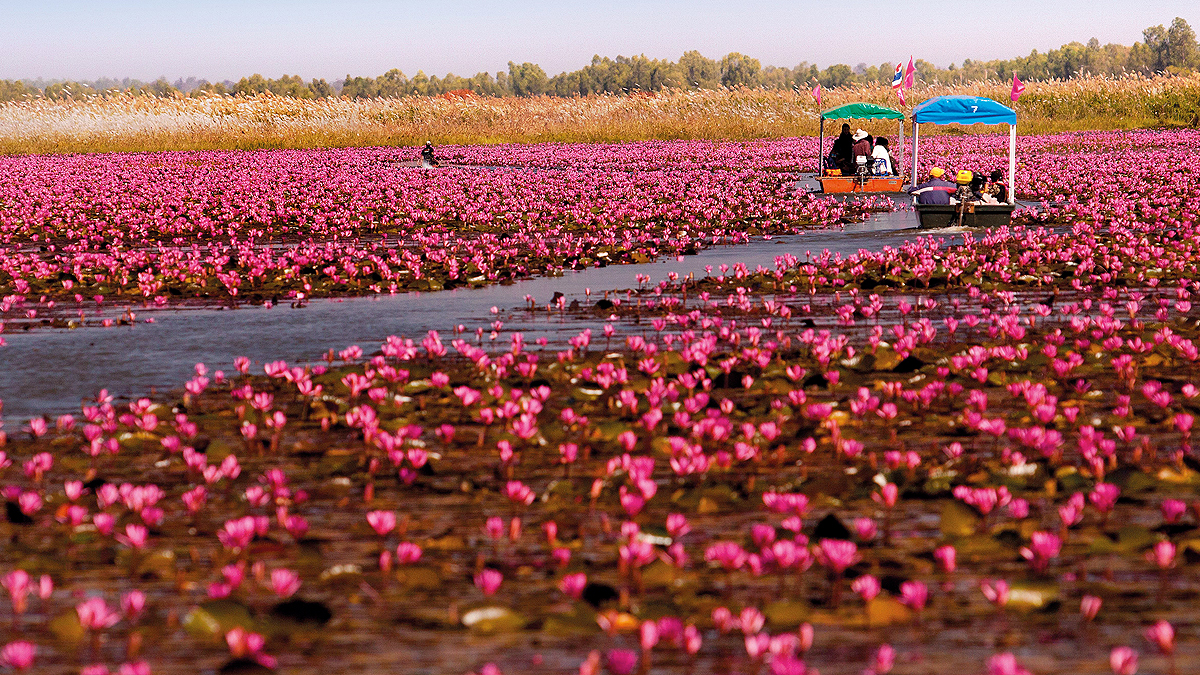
969 184
427 158
862 147
936 190
882 158
997 188
839 155
977 186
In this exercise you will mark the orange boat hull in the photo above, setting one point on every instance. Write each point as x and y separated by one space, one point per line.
831 185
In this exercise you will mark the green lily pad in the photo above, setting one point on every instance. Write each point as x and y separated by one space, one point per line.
66 628
958 520
1031 597
216 617
493 619
1133 538
580 621
886 611
787 614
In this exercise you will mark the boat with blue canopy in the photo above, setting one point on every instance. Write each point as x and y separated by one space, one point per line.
832 180
966 110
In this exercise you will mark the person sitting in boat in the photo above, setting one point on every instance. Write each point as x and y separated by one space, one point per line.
997 188
882 158
839 155
968 188
936 190
977 184
863 146
427 158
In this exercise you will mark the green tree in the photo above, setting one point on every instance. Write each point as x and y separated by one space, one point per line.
249 86
739 70
392 84
320 88
1182 52
1171 48
419 84
16 91
836 76
698 71
527 79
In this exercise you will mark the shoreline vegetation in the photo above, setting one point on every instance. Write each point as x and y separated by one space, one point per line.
135 123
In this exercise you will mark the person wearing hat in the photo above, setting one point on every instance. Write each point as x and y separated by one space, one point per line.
967 190
862 146
936 190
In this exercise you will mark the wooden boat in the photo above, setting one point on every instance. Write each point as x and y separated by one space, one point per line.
966 110
861 184
833 185
973 215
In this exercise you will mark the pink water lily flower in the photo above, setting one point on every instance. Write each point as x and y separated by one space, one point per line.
18 654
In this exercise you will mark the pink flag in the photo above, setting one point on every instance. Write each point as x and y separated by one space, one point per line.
908 74
817 93
1018 88
900 93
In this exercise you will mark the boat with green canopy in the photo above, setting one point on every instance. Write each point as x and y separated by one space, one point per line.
835 181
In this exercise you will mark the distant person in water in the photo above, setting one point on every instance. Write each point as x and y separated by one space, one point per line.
936 190
839 155
427 158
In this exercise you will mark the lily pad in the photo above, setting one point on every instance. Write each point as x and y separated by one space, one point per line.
886 611
1031 597
66 628
493 619
787 614
958 520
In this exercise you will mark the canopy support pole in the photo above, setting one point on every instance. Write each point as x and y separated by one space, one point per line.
1012 164
916 145
821 149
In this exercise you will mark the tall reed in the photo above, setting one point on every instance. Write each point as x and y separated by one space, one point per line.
138 123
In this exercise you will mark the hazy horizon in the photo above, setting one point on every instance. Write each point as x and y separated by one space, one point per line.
221 40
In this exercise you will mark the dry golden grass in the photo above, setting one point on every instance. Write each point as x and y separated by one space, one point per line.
142 123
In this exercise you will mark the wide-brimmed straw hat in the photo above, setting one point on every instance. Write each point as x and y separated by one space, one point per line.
859 135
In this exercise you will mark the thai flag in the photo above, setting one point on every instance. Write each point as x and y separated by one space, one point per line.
898 78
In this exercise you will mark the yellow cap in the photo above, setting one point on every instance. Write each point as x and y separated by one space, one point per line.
937 172
964 177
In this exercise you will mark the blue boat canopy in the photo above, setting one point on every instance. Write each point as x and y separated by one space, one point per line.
963 110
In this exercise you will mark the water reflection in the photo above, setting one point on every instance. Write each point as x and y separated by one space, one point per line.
49 372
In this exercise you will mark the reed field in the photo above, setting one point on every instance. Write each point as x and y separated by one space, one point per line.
142 123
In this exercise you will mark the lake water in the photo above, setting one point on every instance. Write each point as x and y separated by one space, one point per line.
51 371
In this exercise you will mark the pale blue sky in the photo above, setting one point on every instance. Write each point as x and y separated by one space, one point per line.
226 39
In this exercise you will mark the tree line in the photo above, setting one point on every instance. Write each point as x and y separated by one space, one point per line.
1163 49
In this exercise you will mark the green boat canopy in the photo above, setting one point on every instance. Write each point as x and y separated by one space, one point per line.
856 111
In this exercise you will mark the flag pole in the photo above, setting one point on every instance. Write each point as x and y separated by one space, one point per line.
821 148
916 145
1012 164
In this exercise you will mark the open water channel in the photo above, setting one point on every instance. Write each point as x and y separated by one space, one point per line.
51 372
